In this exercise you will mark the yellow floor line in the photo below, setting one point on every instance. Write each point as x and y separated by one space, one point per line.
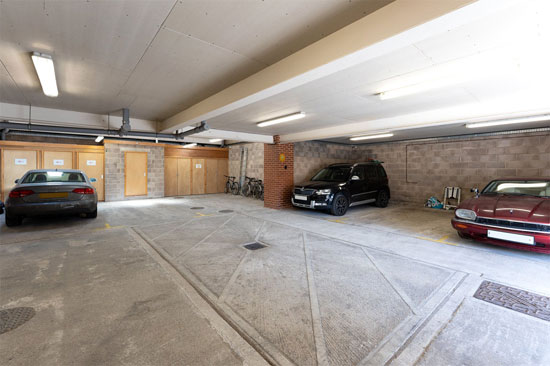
443 240
201 214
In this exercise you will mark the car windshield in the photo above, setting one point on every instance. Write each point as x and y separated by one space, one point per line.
49 177
538 188
333 174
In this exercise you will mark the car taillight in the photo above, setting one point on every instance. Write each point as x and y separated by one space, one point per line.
83 191
18 193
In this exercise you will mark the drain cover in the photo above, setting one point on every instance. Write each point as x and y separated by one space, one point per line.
225 211
197 208
254 246
14 317
515 299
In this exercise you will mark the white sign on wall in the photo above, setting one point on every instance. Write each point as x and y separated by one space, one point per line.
59 162
20 161
90 162
198 166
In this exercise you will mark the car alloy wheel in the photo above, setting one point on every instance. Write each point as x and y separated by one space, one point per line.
340 205
382 199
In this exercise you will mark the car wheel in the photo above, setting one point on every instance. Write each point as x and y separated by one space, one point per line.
13 220
92 215
382 199
462 235
339 205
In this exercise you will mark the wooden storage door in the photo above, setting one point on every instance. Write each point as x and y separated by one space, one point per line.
15 163
211 175
184 177
57 160
171 177
198 175
92 165
222 172
135 173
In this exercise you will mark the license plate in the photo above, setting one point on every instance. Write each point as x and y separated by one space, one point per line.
300 197
516 238
54 195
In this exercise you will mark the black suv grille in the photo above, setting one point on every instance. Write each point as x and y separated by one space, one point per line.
514 224
305 192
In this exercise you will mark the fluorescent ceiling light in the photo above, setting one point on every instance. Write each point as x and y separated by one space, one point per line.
509 121
216 140
99 139
287 118
46 73
368 137
190 145
503 186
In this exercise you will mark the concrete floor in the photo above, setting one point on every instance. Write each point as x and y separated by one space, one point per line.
155 282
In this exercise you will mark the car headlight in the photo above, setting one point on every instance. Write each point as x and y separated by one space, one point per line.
324 191
466 214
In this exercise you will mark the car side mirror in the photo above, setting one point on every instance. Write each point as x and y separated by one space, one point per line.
93 180
16 181
355 177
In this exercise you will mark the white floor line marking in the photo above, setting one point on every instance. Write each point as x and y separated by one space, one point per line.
182 254
177 227
318 335
407 300
233 278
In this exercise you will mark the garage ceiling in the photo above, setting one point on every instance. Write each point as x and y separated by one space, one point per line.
156 57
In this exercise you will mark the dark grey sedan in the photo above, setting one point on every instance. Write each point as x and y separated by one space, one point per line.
51 192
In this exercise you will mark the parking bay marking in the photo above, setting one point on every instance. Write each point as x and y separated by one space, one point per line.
442 240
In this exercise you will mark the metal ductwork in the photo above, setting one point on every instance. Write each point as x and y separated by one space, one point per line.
203 127
123 131
125 128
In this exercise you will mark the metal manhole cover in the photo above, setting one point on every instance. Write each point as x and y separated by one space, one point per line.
254 246
14 317
197 208
225 211
515 299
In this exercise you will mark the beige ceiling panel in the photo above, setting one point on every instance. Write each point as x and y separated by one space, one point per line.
266 30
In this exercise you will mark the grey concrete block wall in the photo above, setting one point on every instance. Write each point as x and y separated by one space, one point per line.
420 169
255 161
114 171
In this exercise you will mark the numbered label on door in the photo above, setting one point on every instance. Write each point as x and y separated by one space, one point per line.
20 161
198 166
59 162
90 162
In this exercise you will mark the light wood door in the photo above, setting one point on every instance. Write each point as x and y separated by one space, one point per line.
171 177
211 175
198 175
92 165
15 163
135 173
184 177
222 172
57 160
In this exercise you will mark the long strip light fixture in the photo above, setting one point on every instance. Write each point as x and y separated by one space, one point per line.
282 119
369 137
190 145
509 121
46 73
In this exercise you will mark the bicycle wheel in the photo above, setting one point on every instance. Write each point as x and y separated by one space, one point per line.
235 188
246 189
227 187
257 191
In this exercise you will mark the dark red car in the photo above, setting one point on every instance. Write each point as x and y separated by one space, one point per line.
513 213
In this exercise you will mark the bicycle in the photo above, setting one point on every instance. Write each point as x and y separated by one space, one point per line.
231 185
248 185
258 189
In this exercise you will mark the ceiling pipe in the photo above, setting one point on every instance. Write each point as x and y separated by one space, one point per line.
100 132
125 128
3 133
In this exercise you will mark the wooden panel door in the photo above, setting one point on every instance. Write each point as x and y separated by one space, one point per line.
222 172
198 175
92 165
211 175
171 177
184 177
135 173
57 160
15 163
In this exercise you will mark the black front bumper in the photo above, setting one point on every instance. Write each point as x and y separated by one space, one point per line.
314 201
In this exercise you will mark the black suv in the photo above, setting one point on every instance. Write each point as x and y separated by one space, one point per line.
339 186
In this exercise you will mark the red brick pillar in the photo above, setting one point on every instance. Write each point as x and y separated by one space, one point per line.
278 174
